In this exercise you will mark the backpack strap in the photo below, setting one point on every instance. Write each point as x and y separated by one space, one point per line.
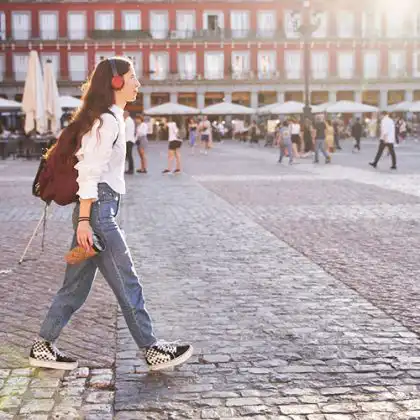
110 112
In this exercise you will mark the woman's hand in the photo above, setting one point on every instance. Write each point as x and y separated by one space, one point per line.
84 235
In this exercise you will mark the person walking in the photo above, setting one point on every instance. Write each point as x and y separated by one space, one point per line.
285 141
174 147
356 132
308 137
96 137
142 142
129 138
329 137
320 129
295 133
387 140
336 125
205 131
192 134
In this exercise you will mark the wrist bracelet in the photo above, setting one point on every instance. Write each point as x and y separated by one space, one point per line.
84 219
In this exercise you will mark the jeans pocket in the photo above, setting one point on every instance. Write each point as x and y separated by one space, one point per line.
107 210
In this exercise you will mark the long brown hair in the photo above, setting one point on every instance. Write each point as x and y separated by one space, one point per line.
98 96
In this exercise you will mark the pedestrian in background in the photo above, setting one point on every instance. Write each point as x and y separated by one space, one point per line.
356 132
142 143
174 146
130 139
284 139
320 132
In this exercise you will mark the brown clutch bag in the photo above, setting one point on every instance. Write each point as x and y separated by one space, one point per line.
78 254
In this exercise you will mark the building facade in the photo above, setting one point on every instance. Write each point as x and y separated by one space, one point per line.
198 53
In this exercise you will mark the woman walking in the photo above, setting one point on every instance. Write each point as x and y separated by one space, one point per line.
174 147
192 134
329 136
142 143
96 136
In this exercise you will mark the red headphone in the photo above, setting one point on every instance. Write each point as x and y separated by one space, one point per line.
117 81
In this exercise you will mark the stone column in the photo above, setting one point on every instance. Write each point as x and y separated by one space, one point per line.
409 95
254 100
332 96
200 100
358 97
147 101
173 97
228 96
383 100
280 97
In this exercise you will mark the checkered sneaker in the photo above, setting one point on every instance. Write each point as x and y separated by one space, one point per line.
164 355
44 354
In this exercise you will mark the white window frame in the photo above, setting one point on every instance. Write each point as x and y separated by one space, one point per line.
290 31
208 75
102 55
26 32
19 75
181 33
2 26
160 33
71 74
221 18
291 76
45 55
416 64
339 26
2 67
186 76
138 65
124 13
97 13
345 75
320 33
235 33
54 36
378 55
266 33
398 73
369 31
323 73
156 76
270 74
78 35
245 72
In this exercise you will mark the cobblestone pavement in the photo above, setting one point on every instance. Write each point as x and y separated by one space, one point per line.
296 285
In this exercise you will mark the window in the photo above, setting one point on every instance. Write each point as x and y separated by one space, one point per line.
187 65
76 25
131 20
240 64
137 60
345 64
293 64
266 64
371 24
320 20
319 64
21 25
214 65
371 65
239 24
213 21
159 25
55 61
416 24
102 55
20 65
2 67
2 26
266 24
345 24
396 64
77 66
104 21
48 25
416 64
185 24
159 65
292 22
395 25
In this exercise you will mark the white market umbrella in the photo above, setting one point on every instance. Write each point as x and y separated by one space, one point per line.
70 102
33 101
400 106
227 108
171 108
291 107
350 107
7 104
415 107
266 108
52 99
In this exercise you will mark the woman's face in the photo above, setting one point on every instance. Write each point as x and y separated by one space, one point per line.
131 86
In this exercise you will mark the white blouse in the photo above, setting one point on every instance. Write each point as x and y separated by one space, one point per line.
99 159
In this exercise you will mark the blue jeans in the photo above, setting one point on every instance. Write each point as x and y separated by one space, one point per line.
117 267
320 146
289 151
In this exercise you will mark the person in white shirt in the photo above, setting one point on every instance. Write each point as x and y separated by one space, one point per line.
96 136
174 146
142 143
296 140
387 139
129 138
205 131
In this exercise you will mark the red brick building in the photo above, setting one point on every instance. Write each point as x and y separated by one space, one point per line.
198 52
